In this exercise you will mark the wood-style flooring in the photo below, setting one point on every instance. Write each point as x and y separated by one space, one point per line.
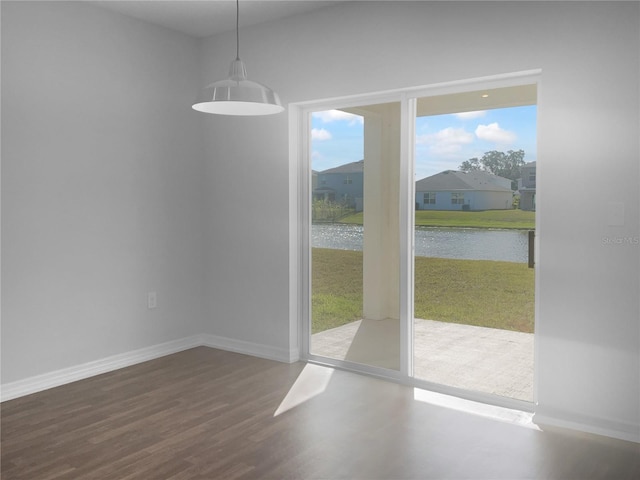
210 414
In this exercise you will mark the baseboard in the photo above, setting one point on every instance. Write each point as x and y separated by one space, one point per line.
79 372
294 355
57 378
250 348
608 428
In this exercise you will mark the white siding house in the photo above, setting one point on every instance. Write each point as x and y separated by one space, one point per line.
452 190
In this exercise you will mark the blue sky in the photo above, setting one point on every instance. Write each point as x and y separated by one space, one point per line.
443 142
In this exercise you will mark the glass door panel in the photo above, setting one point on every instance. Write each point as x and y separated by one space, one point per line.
473 288
355 157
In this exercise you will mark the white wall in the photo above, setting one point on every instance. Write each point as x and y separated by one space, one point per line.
101 186
588 311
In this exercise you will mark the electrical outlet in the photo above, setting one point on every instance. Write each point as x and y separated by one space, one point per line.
152 300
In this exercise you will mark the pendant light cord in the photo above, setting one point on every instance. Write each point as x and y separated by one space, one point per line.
237 29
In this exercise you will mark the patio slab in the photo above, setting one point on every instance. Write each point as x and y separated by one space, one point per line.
474 358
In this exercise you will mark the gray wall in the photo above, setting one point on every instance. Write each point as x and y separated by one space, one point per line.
101 186
108 190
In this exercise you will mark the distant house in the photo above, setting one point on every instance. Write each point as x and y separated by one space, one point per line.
527 186
453 190
343 184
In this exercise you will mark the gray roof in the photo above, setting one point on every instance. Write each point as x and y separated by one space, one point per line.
353 167
451 180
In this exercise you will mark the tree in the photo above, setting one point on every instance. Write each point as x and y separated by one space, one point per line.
505 165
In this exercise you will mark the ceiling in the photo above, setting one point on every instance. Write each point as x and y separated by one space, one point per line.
202 18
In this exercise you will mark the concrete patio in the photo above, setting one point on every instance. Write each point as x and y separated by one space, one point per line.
481 359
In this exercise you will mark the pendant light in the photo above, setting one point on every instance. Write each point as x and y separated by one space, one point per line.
236 95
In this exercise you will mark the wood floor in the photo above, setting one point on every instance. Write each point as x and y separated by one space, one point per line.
209 414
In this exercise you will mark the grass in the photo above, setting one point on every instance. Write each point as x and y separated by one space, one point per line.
517 219
473 292
336 288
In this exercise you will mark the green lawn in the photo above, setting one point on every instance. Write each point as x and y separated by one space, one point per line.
473 292
518 219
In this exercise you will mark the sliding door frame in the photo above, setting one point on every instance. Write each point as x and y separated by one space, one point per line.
300 216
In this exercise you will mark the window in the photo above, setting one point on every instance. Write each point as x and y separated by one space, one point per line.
532 178
347 180
429 198
457 198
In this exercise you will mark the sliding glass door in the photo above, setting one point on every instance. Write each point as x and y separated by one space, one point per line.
378 216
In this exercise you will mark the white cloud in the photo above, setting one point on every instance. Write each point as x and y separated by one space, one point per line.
470 115
447 141
329 116
493 133
320 134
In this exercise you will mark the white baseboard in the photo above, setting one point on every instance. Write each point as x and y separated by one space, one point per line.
56 378
608 428
250 348
96 367
294 355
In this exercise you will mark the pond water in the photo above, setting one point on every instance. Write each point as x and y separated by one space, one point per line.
464 243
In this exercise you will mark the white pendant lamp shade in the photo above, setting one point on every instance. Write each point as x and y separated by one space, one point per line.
236 95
